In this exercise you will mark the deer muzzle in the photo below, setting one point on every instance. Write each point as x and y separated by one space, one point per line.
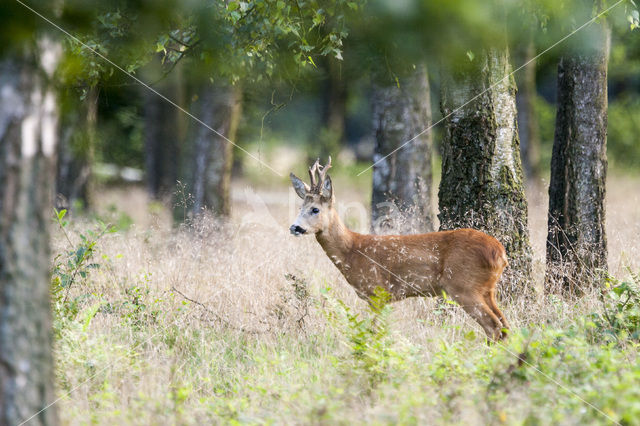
297 230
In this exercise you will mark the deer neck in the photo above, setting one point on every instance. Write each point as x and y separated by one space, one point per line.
336 241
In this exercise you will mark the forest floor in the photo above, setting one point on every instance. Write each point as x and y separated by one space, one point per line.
240 322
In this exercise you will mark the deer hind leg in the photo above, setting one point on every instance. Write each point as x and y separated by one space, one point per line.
490 299
476 306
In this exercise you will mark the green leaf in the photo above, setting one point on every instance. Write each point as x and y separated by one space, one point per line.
90 314
80 253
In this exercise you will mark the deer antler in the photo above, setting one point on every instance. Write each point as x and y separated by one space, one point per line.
323 172
312 173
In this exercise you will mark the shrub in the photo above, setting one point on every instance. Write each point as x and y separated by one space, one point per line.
619 320
73 266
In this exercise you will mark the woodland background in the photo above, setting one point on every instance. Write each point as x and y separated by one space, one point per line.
146 268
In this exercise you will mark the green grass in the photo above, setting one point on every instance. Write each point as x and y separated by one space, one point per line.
145 356
137 350
542 375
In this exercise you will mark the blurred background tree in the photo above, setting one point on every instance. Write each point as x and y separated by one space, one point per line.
287 60
347 78
29 114
402 175
199 53
323 76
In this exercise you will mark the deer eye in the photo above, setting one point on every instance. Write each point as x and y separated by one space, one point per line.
315 210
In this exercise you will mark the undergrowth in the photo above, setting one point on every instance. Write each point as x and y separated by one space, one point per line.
136 352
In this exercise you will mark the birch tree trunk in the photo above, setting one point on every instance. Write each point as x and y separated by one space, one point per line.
209 159
576 242
482 180
401 200
28 136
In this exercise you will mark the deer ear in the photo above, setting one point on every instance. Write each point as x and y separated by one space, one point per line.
327 188
300 187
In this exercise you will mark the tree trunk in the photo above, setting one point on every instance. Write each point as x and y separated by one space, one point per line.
576 242
210 159
482 182
527 118
74 177
161 146
70 173
163 131
92 122
334 110
401 200
28 136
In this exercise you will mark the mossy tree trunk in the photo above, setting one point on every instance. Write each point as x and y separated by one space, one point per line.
576 242
208 157
401 200
482 180
28 138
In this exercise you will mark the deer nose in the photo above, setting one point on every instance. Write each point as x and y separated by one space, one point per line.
297 230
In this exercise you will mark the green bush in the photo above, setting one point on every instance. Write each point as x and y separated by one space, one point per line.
619 320
373 353
73 266
623 131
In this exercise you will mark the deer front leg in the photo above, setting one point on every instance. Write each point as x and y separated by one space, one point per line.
490 299
478 309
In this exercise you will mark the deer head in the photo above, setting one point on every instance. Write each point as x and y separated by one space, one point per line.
317 209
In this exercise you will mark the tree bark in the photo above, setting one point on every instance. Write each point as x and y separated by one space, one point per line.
209 160
70 173
576 242
76 154
28 136
401 200
161 146
527 118
334 110
482 180
163 131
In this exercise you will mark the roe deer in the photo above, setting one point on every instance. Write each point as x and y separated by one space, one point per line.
464 263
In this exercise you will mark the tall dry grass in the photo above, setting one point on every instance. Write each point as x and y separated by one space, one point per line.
214 293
